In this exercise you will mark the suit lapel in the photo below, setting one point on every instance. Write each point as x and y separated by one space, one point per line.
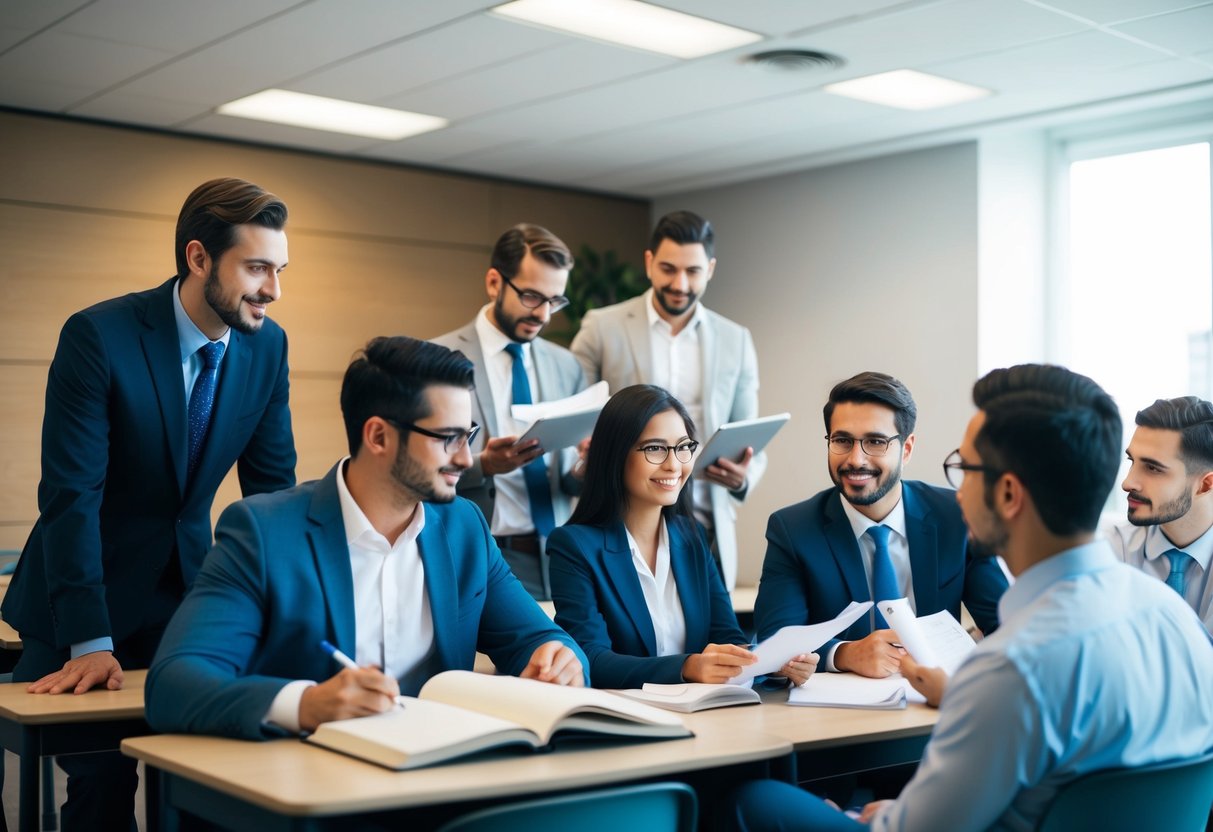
439 566
546 371
845 548
162 351
636 331
331 552
710 372
692 585
482 396
617 562
923 537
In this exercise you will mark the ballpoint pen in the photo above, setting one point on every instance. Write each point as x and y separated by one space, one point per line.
347 662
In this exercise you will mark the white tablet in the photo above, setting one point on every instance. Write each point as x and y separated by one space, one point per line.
556 432
731 440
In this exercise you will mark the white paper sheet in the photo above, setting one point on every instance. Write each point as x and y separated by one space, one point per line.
936 640
594 396
788 642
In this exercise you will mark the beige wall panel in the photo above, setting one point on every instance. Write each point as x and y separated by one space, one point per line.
22 390
602 222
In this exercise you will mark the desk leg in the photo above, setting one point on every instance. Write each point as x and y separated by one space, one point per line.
50 817
160 816
31 767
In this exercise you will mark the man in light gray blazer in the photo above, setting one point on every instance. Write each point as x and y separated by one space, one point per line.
666 337
523 492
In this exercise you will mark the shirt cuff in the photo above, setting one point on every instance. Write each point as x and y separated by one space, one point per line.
94 645
284 710
830 657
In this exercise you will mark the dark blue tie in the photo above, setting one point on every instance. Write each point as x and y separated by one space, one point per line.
884 579
202 400
535 472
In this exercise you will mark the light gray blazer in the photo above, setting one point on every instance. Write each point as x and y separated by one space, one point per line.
557 375
613 344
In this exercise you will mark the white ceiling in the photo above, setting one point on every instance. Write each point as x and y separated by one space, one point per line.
533 104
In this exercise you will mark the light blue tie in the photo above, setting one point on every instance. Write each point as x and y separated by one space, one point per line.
535 472
884 579
1175 578
202 400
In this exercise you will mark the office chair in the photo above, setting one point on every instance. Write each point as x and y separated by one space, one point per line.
1175 795
653 807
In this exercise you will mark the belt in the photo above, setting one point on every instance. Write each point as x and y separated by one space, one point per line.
525 543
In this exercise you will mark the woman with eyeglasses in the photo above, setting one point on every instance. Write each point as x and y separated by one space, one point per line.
632 579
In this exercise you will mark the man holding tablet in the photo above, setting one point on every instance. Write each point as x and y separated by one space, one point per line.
523 492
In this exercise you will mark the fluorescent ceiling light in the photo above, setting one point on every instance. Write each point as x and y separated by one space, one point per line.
332 114
908 90
631 23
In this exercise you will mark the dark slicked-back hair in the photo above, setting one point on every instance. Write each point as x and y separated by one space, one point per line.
543 245
1056 430
620 425
684 228
214 209
388 379
1193 418
875 388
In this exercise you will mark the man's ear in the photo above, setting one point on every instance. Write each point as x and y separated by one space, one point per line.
376 435
197 259
1204 484
493 283
1011 497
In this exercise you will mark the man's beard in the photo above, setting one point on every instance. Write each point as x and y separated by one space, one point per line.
1169 511
509 324
883 488
418 481
230 315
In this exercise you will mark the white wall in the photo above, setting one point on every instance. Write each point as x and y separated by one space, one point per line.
864 266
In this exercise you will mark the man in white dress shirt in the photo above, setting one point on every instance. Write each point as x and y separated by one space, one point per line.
1170 486
523 492
666 337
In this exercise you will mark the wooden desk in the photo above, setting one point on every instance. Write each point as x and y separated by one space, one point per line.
33 726
287 784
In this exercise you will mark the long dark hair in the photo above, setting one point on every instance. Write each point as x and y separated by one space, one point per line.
604 496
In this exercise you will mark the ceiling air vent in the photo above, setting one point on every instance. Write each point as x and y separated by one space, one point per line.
793 60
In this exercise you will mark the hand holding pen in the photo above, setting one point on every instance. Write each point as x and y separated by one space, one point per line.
354 691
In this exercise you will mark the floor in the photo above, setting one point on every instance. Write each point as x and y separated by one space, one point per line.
10 792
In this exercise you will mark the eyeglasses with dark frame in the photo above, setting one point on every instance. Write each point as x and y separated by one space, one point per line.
954 468
871 445
452 443
657 454
534 300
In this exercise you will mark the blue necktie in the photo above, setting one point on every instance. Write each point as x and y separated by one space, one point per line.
535 472
1175 578
884 579
202 400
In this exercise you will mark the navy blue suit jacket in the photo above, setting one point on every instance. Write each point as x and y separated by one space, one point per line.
114 502
599 602
813 567
279 581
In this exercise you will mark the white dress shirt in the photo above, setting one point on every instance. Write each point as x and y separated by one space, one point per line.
1143 547
511 506
661 596
393 625
678 367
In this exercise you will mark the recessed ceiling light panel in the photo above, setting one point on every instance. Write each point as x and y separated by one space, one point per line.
334 115
907 89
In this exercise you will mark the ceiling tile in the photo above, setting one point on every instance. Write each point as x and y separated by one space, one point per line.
39 95
70 60
281 134
1112 11
36 14
138 109
11 37
779 17
1184 33
157 24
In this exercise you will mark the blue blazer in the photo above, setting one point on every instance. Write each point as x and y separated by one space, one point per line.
813 567
114 503
599 602
278 582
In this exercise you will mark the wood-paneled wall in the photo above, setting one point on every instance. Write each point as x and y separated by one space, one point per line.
87 212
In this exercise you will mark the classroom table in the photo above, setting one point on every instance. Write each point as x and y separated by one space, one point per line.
33 726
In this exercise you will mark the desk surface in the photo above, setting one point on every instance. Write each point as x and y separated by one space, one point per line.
295 779
94 706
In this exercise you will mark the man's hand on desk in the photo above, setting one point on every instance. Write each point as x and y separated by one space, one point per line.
82 674
554 662
799 669
728 473
501 455
876 655
350 693
929 681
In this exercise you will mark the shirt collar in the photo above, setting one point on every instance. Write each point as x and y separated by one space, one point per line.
189 337
650 308
895 519
1027 587
1200 550
358 529
492 339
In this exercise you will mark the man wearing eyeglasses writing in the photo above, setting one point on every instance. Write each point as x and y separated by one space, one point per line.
873 536
522 491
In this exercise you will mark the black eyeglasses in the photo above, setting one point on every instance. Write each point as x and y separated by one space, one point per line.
452 443
954 469
871 445
534 300
657 454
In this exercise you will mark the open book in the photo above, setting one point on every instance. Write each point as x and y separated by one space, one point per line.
692 696
935 640
460 712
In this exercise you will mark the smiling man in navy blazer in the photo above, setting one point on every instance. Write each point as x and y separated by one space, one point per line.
379 558
150 400
872 534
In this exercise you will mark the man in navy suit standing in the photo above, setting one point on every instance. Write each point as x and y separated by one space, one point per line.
872 536
150 400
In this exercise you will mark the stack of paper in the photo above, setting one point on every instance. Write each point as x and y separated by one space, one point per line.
849 690
692 696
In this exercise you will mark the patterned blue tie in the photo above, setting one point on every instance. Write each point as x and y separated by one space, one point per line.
884 579
202 400
1175 578
535 472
